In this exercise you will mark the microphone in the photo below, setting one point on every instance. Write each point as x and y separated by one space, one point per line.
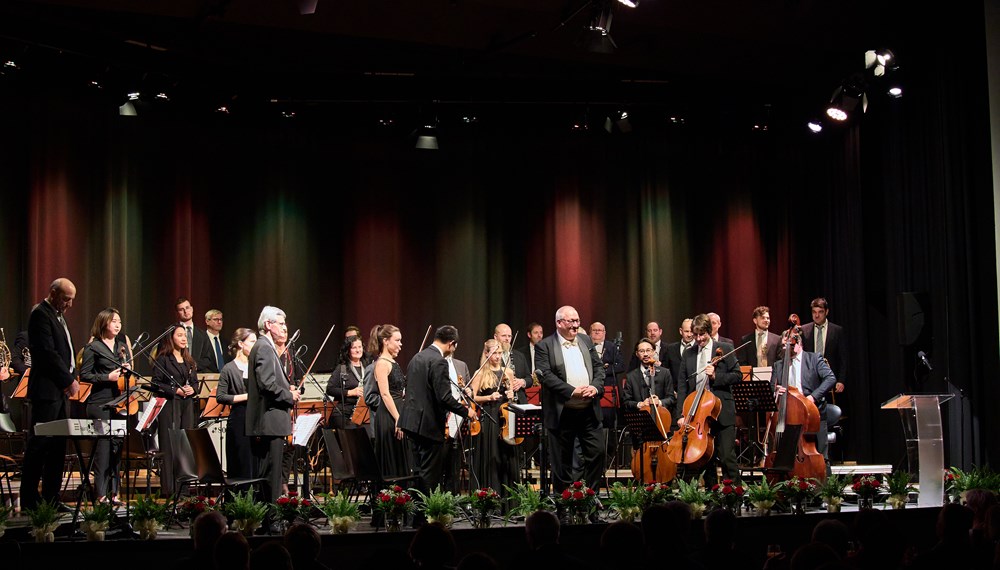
141 338
301 350
618 340
295 336
923 358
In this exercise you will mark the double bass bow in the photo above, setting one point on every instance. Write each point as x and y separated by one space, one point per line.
797 417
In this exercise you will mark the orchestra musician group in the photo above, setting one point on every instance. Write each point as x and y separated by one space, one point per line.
422 421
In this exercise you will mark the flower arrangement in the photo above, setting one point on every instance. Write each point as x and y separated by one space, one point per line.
44 520
832 492
395 503
4 516
951 484
290 507
867 488
148 515
483 503
762 496
246 512
898 486
438 506
524 500
728 495
976 478
579 500
799 491
696 497
626 500
340 512
97 520
191 507
656 494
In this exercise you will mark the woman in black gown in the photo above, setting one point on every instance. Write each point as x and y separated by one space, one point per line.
491 458
345 385
233 393
390 449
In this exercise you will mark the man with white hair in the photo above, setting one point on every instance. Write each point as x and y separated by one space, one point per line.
269 401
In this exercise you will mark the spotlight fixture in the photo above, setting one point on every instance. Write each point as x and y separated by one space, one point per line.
288 114
815 126
895 92
596 35
618 119
880 61
161 96
127 110
836 113
133 96
630 3
222 110
426 135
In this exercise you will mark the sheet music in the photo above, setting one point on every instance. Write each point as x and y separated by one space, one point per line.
304 427
524 408
454 423
149 414
762 373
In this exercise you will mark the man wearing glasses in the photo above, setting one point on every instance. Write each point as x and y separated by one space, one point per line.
572 377
216 356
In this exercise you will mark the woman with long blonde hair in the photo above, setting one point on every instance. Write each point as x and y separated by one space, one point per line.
490 458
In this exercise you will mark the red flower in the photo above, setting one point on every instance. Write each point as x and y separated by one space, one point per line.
211 502
282 501
293 501
292 493
727 481
803 486
306 503
200 507
567 494
715 487
578 485
482 494
739 491
590 492
397 489
727 490
401 500
578 495
202 498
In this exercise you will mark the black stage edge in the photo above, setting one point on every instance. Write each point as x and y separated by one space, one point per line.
362 549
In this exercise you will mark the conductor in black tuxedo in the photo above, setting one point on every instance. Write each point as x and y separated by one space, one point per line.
812 376
649 384
698 368
764 344
270 400
429 398
53 378
572 380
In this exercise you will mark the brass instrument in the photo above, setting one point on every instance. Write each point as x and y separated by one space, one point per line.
4 351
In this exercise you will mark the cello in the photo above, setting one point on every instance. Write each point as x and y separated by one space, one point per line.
798 417
693 444
651 462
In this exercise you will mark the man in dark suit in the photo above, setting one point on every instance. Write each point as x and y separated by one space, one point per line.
270 400
716 321
812 376
218 347
697 369
826 339
764 345
53 378
428 400
514 360
674 358
572 380
198 345
649 384
655 334
535 334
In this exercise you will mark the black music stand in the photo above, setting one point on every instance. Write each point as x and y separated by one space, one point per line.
529 423
754 396
640 424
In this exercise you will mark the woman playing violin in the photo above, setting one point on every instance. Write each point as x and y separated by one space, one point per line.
104 363
490 457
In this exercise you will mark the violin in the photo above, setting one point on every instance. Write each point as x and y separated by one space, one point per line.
651 462
693 444
505 411
797 417
474 425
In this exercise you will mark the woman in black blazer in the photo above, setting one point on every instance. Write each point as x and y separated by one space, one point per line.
174 374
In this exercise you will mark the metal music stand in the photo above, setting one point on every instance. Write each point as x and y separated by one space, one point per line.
754 396
640 424
529 423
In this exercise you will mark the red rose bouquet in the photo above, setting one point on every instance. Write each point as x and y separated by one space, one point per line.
290 507
191 507
579 500
395 502
728 494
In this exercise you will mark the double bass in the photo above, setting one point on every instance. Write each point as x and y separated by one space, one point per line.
797 417
651 462
693 444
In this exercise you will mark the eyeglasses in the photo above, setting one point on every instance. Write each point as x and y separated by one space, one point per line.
216 319
571 321
645 351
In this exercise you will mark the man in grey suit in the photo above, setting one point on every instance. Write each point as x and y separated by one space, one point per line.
428 400
53 378
812 376
572 378
270 400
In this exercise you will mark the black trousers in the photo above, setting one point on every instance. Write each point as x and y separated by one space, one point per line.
268 455
107 455
576 425
725 455
428 460
43 456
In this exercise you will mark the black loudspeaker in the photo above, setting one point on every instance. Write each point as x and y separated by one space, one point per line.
914 312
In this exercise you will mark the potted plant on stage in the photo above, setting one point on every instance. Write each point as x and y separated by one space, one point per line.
696 497
866 487
191 507
976 478
44 520
832 492
439 506
656 494
290 507
762 496
626 500
148 516
395 503
484 503
898 486
4 516
799 492
524 500
728 495
340 511
247 513
97 520
580 502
